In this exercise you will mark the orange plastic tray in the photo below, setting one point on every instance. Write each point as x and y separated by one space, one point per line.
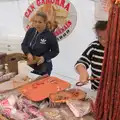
42 88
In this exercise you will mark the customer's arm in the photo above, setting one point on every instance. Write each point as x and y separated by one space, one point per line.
82 71
83 64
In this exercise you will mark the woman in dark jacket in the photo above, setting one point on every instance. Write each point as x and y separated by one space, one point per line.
40 43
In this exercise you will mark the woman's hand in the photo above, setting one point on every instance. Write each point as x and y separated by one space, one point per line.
83 74
41 60
30 58
83 78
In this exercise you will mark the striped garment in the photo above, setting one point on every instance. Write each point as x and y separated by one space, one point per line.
93 56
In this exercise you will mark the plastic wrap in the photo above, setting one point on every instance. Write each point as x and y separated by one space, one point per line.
67 113
79 108
7 108
7 76
20 109
52 114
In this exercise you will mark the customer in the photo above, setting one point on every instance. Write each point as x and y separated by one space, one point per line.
93 56
40 42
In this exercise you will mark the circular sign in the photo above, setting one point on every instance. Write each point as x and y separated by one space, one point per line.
62 16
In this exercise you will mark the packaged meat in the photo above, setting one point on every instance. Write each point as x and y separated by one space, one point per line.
7 76
52 114
79 107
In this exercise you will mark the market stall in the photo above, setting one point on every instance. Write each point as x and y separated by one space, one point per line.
27 96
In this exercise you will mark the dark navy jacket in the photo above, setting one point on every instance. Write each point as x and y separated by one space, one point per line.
40 44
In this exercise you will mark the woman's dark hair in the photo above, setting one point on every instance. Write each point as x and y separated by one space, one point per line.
42 14
100 25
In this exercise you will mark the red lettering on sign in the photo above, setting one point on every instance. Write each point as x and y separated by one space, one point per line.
69 23
67 7
62 3
48 1
52 1
26 14
38 2
32 7
63 29
29 11
27 27
43 2
57 2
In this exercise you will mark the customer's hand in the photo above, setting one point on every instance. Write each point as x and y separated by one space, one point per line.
83 74
41 60
30 58
82 82
83 79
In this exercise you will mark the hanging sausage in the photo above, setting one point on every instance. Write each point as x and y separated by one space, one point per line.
108 99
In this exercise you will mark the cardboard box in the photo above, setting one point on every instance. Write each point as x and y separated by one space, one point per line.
12 61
